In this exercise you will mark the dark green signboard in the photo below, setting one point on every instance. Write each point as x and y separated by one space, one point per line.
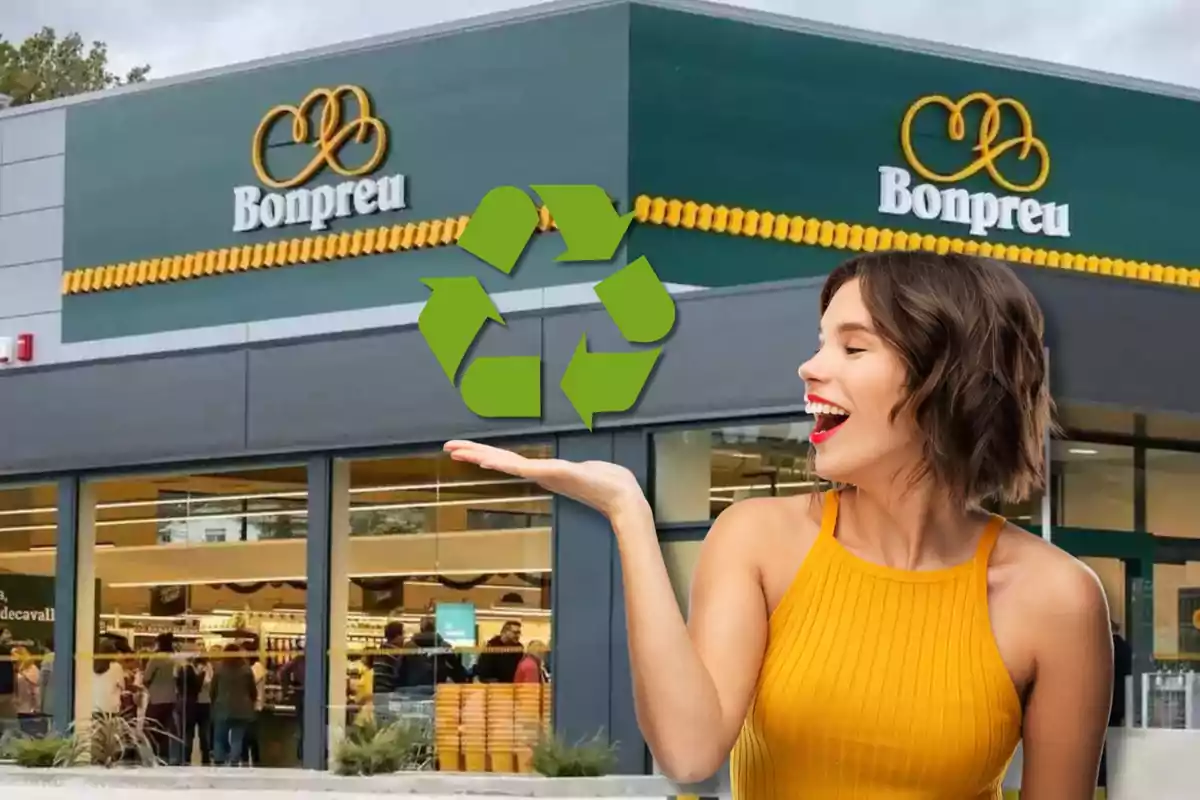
154 173
641 100
27 607
757 117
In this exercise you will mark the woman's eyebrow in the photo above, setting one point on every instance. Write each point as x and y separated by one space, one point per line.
854 327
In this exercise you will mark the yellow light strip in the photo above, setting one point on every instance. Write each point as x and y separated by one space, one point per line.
795 229
671 212
271 255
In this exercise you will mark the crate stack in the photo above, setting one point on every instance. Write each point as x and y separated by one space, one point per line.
474 728
527 712
501 733
447 726
490 727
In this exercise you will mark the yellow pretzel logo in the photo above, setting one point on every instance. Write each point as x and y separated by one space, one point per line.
332 134
987 150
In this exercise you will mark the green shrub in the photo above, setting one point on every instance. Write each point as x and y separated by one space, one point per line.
103 742
368 748
52 751
588 758
112 739
8 743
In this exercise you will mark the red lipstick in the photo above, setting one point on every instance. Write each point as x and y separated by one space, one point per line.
822 429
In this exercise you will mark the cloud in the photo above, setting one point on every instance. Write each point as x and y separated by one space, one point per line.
1151 39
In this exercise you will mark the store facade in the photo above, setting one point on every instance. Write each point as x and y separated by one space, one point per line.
222 419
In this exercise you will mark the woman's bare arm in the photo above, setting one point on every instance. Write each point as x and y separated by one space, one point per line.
693 681
1066 716
691 687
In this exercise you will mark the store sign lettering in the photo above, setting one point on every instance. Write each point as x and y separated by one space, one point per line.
293 203
9 614
901 195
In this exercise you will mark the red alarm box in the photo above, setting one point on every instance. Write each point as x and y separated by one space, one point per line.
24 347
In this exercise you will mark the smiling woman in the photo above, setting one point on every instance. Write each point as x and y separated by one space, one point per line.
880 639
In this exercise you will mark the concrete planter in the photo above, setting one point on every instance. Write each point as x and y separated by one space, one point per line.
103 784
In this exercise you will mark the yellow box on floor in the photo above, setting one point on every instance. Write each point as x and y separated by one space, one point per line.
489 727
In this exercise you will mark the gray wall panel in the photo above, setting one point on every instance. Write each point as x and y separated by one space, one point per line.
1117 342
32 185
31 289
733 352
123 412
368 390
34 135
34 236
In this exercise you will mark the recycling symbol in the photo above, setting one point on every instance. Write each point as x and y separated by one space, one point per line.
511 386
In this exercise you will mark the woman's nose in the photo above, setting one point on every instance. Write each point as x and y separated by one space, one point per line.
812 370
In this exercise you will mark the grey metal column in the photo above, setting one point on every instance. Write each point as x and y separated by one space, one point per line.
1139 576
66 565
593 689
314 717
631 449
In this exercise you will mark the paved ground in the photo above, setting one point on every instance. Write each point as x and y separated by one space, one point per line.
36 793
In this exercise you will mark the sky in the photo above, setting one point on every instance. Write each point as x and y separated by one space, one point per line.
1153 39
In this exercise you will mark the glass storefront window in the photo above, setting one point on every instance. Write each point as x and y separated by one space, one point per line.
1172 478
698 473
28 541
1093 485
448 623
199 582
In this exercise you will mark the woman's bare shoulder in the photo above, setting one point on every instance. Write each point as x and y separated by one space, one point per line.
1047 579
762 529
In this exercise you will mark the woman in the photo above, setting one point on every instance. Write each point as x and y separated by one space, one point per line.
162 696
233 698
108 680
888 639
133 690
28 698
46 679
189 683
531 668
203 712
253 747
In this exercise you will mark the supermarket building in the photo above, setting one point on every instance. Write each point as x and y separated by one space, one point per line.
221 417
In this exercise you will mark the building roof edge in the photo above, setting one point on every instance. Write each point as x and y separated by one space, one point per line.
708 8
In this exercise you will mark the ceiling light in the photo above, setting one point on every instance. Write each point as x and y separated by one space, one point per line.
1083 451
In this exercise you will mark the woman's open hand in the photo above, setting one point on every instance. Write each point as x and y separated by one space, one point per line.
608 488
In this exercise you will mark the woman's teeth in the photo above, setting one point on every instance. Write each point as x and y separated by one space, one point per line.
825 408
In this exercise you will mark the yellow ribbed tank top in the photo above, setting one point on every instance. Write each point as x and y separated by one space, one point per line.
879 684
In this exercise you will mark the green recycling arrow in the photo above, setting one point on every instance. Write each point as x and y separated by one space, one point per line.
606 382
638 303
510 386
587 220
500 228
504 386
452 317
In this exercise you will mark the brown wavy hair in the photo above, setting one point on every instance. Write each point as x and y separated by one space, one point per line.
970 335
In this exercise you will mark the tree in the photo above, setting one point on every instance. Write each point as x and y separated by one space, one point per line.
44 67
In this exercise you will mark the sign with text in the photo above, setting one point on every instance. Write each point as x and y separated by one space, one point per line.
996 149
337 131
27 607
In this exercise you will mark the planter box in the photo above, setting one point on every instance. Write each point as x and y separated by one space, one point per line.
109 784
